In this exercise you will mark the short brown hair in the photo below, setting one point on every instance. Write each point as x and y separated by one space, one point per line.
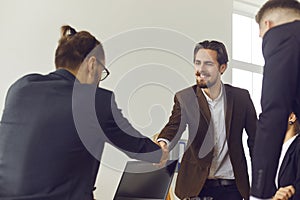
274 4
73 48
219 47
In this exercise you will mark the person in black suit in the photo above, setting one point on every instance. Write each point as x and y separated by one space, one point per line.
54 126
288 172
279 23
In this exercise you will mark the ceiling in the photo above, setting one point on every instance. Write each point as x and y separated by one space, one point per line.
248 7
258 3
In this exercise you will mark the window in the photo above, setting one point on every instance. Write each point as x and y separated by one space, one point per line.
247 59
251 81
246 44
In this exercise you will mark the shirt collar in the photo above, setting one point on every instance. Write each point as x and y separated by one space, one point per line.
219 96
65 73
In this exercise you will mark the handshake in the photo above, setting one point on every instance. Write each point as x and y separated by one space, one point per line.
165 151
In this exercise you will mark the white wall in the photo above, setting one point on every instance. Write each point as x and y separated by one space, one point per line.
149 46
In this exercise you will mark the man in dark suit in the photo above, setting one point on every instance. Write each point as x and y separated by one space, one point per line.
54 126
280 28
288 172
214 163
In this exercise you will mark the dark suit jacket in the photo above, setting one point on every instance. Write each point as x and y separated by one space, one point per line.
191 109
52 135
289 173
280 96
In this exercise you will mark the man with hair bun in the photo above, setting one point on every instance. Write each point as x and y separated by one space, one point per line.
54 126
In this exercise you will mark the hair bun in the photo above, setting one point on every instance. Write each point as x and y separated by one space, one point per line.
67 31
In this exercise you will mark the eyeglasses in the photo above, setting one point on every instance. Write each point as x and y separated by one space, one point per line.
105 72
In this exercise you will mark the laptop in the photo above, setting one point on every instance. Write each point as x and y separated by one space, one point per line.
145 181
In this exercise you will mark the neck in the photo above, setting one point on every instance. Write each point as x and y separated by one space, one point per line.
282 16
77 73
74 72
214 91
287 20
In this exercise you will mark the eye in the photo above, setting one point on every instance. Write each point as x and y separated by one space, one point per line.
197 62
209 64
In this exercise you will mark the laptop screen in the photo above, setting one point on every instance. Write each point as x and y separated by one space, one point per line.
142 180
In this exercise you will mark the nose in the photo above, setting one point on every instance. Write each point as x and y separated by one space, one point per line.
199 68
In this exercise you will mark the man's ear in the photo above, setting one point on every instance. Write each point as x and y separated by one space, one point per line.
292 117
269 24
223 67
91 65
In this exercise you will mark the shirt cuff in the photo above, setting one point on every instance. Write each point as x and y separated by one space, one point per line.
255 198
164 140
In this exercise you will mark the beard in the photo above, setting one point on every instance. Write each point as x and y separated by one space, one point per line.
201 84
206 84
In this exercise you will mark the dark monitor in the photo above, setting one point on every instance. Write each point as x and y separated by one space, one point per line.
145 181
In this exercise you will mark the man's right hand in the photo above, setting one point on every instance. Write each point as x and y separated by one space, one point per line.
165 153
284 193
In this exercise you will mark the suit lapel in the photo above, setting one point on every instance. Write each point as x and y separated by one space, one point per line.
228 104
203 105
228 107
207 143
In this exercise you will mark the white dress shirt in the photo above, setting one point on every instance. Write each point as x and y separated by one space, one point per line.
221 166
254 198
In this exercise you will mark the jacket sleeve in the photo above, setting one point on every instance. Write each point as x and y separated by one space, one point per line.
176 125
250 125
122 135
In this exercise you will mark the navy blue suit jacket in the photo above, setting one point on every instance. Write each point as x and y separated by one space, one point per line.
280 96
52 135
